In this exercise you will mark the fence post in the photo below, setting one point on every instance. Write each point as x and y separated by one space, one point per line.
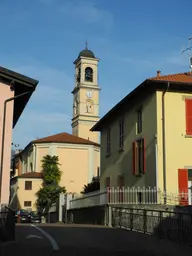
120 217
109 216
144 221
131 219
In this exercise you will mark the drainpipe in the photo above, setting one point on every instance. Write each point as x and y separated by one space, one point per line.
3 131
164 143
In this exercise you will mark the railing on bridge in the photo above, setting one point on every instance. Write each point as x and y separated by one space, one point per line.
129 195
7 224
174 226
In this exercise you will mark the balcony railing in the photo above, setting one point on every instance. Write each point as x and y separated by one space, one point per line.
129 195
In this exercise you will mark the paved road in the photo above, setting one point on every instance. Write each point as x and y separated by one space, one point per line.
77 240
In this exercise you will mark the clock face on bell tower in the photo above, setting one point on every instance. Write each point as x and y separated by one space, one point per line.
86 96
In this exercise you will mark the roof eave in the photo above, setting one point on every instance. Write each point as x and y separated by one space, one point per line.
98 126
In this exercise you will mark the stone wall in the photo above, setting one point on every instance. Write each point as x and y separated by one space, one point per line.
90 215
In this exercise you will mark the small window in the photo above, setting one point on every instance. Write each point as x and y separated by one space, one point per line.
139 121
139 157
28 185
121 134
120 181
107 182
89 74
98 171
31 167
108 137
27 203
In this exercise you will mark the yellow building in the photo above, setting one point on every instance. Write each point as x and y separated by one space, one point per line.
146 139
79 152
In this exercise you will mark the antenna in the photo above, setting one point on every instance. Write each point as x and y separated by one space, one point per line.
189 50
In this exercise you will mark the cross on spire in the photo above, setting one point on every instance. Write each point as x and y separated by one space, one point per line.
86 44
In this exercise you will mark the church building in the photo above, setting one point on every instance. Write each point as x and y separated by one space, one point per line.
79 152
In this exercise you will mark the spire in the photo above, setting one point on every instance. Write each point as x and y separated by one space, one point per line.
86 44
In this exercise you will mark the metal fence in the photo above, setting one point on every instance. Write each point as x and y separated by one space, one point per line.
129 195
174 226
7 225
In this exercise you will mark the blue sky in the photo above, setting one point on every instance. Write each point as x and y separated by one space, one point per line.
133 39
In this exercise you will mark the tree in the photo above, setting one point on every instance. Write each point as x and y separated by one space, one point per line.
94 185
48 194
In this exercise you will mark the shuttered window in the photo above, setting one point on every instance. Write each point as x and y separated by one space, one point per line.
108 142
188 106
139 157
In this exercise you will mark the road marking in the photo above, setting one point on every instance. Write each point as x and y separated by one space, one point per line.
34 236
50 238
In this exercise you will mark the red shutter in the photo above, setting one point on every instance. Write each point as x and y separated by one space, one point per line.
188 109
134 157
144 155
183 186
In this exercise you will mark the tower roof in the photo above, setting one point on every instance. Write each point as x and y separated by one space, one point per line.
86 53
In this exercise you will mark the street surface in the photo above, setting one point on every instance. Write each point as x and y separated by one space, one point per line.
77 240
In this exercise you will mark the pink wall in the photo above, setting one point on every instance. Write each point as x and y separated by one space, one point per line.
6 93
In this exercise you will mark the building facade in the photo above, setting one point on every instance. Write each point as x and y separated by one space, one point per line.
146 137
15 92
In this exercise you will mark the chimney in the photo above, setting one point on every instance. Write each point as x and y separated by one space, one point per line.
158 72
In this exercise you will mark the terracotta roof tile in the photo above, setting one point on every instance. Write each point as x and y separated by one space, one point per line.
64 138
177 78
31 175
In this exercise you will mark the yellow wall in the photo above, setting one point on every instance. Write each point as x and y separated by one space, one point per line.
178 146
42 150
79 163
121 162
27 195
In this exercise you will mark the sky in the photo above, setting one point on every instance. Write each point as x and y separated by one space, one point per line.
132 38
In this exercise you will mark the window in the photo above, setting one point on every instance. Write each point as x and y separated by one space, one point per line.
139 157
28 185
108 147
120 184
27 203
139 121
120 181
121 134
107 182
31 167
188 107
89 74
98 171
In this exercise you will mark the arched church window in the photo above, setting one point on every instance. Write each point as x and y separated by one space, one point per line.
89 74
89 106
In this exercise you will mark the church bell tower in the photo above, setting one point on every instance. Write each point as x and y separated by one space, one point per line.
86 96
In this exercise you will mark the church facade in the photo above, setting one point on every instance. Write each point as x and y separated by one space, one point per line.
79 152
